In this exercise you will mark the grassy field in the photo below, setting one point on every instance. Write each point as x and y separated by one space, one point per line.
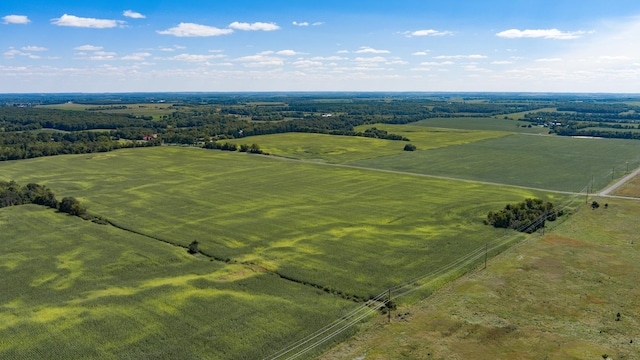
355 231
631 188
146 109
73 289
555 297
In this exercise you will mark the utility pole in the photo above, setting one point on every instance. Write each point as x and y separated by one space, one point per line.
485 254
389 306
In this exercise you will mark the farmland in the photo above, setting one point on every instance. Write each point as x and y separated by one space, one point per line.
294 218
287 243
556 296
72 289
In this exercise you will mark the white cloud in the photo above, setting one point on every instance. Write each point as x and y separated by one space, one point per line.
194 30
429 32
421 53
433 63
261 59
318 23
614 58
132 14
548 60
474 56
254 27
74 21
88 48
540 33
369 50
370 60
34 48
141 56
194 58
501 62
342 52
288 53
304 23
16 19
328 58
307 63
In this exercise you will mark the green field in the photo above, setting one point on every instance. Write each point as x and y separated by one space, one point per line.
345 149
74 289
546 162
519 159
481 123
287 241
356 231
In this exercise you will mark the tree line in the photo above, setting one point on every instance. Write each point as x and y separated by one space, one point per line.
13 194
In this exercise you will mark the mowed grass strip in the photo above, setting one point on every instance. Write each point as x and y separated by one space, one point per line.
74 289
356 231
555 297
544 162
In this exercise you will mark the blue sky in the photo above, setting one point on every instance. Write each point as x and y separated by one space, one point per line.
310 45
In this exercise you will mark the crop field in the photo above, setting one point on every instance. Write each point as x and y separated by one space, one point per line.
75 289
572 294
473 123
345 149
355 231
545 162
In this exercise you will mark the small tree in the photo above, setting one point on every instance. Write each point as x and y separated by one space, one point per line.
72 206
193 247
409 147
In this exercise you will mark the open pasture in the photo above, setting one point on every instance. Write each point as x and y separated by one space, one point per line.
544 162
354 231
74 289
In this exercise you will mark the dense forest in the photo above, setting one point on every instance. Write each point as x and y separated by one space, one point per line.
28 128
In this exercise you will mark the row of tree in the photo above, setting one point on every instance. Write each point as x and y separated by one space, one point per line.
13 194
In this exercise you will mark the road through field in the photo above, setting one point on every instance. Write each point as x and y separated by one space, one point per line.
604 193
424 175
613 187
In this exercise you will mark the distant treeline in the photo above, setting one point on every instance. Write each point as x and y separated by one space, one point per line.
27 131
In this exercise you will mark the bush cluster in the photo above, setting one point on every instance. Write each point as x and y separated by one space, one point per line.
527 216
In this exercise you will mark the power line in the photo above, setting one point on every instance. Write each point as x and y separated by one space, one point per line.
325 334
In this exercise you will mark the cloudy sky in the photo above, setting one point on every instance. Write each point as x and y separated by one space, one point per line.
313 45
